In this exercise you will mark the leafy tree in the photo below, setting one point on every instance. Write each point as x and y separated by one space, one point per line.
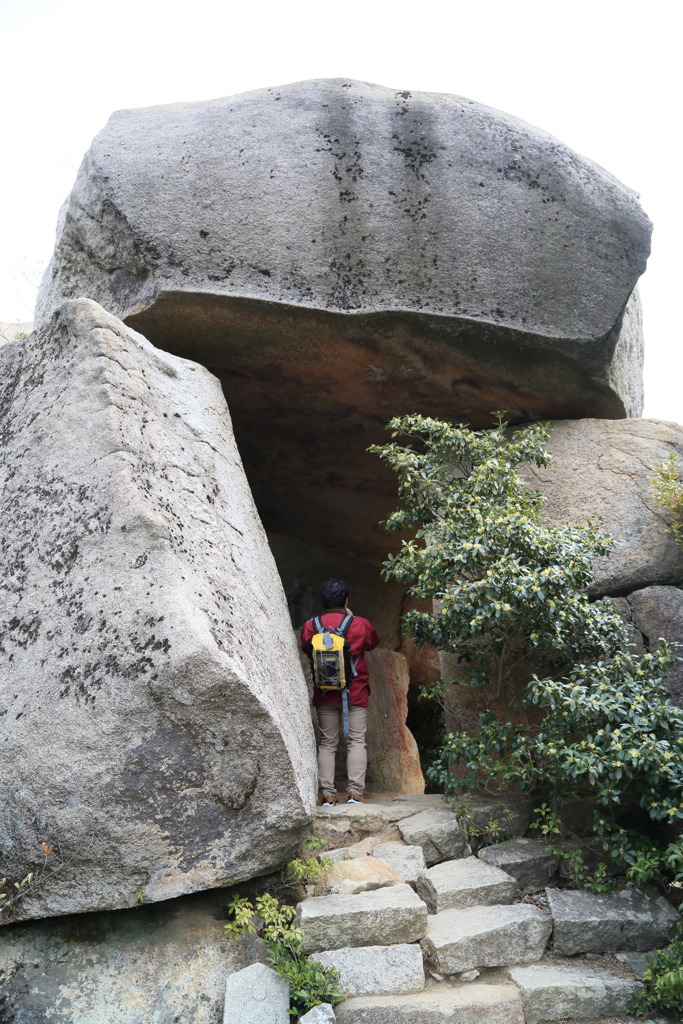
510 602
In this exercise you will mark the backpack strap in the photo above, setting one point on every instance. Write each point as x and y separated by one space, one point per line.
344 625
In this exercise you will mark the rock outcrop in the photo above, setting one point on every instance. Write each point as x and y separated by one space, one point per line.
604 468
166 962
338 253
155 724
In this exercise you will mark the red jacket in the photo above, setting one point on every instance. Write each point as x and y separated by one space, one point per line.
361 636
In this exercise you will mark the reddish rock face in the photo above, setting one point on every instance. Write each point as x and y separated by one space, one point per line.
393 757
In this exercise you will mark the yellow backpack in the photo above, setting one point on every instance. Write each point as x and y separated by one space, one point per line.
333 667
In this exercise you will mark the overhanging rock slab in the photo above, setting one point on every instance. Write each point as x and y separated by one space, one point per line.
424 252
147 663
430 215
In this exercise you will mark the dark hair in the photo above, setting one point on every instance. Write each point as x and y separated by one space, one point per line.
334 593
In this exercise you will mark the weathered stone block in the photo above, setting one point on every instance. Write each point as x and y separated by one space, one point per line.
376 970
562 993
359 874
530 863
465 1004
459 940
382 917
586 922
438 832
321 1014
408 861
256 995
513 814
467 882
137 585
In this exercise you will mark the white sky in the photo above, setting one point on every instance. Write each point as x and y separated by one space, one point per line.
600 75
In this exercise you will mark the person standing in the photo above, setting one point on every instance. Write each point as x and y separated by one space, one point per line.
361 636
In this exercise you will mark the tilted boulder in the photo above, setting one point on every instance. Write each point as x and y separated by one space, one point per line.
155 722
338 253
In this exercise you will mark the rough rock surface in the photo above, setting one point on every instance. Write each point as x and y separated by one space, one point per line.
459 940
658 612
256 995
586 922
530 863
464 1004
142 712
382 917
357 875
376 970
393 757
340 196
323 1013
438 832
348 824
408 861
605 468
421 250
552 993
162 963
466 882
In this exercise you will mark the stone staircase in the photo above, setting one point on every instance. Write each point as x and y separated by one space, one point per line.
423 932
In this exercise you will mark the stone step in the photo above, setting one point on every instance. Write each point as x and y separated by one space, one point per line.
551 993
529 862
382 917
377 970
460 940
438 831
408 861
443 1004
466 882
361 874
586 922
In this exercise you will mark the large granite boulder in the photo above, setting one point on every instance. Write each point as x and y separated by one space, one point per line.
163 963
658 612
154 717
605 468
338 253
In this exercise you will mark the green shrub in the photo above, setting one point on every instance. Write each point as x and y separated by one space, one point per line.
510 596
310 983
308 868
663 981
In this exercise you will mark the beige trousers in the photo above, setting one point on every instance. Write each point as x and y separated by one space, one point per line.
329 717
